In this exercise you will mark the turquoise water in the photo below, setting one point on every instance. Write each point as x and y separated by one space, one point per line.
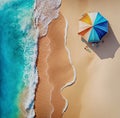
18 50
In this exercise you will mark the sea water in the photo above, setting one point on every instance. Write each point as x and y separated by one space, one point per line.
18 52
21 23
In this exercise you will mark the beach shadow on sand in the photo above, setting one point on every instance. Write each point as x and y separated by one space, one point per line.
108 48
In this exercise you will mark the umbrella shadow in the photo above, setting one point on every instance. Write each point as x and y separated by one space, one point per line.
108 48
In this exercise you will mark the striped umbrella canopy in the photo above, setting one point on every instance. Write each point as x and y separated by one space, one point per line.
93 26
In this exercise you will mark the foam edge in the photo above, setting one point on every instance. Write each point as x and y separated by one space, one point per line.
70 60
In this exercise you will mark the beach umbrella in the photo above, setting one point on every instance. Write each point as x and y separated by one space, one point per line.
92 27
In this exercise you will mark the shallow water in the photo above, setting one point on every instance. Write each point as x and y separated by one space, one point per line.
18 51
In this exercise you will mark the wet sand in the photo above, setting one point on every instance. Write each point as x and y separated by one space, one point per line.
96 91
60 69
43 106
54 70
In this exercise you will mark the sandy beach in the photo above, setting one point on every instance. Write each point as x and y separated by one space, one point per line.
54 71
96 91
60 70
43 106
95 94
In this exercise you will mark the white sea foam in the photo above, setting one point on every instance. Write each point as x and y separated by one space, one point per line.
44 12
69 56
30 74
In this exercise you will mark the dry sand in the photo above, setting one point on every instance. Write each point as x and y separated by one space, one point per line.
54 70
96 91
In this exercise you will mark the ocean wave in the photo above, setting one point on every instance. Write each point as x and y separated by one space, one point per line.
44 12
18 43
30 76
21 33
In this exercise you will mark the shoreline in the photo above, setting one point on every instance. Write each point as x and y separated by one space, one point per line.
70 83
42 100
58 77
57 45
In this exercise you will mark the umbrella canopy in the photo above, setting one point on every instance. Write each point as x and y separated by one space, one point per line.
93 26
